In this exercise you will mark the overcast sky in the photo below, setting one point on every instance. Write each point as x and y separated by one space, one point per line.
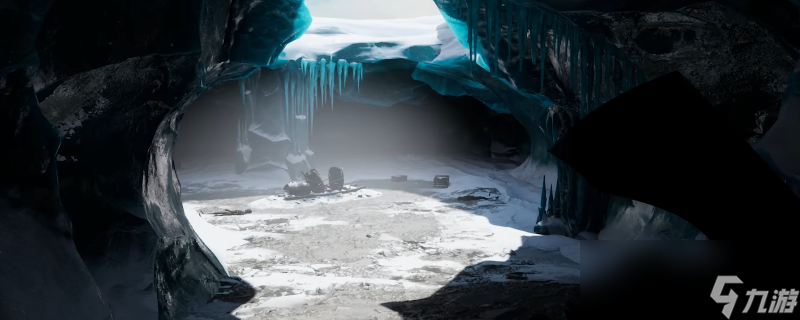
371 9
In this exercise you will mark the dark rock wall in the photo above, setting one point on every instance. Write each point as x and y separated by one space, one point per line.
736 63
96 229
37 255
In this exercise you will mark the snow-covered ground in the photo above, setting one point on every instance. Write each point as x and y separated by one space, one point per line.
342 257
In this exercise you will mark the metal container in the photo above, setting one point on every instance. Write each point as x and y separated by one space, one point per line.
441 181
297 188
336 178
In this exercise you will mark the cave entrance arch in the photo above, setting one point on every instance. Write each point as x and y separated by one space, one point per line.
389 113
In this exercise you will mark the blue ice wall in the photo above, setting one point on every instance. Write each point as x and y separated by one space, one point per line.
596 71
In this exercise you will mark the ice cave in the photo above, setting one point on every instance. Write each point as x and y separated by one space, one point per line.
155 152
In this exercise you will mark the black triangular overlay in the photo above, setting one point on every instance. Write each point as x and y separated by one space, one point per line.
663 144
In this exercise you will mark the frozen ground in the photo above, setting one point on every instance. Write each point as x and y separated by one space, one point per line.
359 255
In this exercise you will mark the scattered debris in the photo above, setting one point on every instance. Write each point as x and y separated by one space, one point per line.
210 210
479 194
314 180
227 212
314 186
217 211
472 196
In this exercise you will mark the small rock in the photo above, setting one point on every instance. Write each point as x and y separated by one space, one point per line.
369 236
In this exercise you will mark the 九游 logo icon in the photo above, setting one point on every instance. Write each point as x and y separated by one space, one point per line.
781 301
729 299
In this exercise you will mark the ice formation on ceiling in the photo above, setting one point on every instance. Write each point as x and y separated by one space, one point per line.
597 70
310 84
318 63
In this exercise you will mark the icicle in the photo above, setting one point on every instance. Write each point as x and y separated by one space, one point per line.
292 86
522 34
322 81
509 28
557 39
286 99
313 81
490 34
331 80
584 56
574 48
497 32
345 66
543 22
570 56
473 12
339 67
543 200
556 202
470 21
244 101
535 23
360 68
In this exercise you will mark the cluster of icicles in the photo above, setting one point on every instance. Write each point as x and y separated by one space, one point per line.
309 84
597 70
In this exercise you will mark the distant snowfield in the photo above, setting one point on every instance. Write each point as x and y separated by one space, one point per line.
387 238
375 40
359 9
